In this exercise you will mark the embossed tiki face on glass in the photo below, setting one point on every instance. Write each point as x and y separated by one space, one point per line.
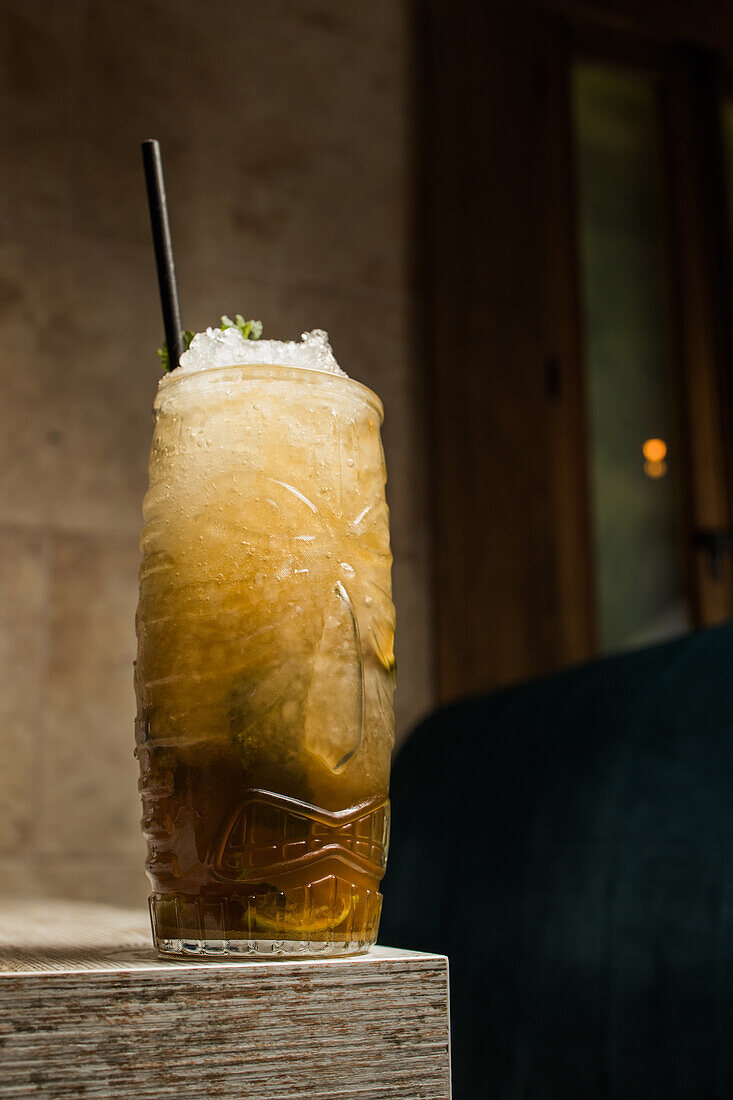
265 664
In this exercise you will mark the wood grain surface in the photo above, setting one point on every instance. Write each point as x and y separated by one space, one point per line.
87 1009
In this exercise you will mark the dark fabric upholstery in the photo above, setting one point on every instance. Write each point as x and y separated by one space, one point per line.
569 845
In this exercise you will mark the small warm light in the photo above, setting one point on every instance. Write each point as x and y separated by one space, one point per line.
655 451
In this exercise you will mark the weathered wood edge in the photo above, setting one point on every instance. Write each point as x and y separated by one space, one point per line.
373 1033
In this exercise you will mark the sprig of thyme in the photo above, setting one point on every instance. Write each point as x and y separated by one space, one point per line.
165 359
249 330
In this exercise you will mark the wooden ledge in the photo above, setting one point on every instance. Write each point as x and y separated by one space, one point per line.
87 1008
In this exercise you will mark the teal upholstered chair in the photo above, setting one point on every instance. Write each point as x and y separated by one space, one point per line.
569 844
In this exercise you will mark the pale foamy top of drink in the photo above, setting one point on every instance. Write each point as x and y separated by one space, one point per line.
228 348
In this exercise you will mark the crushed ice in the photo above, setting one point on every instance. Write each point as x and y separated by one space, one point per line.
228 348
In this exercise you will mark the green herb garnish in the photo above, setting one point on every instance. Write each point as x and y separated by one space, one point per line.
250 330
165 358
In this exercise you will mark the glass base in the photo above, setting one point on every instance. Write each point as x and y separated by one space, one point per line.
254 925
239 949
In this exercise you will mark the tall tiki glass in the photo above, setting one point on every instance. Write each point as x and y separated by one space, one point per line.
265 667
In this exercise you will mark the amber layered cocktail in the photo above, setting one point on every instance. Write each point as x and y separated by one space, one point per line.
265 667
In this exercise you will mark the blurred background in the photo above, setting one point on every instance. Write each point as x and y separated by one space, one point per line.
514 221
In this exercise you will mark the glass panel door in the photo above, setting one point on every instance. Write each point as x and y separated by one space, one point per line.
634 452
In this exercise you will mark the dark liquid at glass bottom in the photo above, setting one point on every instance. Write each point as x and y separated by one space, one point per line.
240 869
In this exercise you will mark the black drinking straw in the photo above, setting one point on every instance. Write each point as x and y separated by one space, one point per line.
163 250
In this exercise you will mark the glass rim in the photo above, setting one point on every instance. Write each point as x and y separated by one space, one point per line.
262 370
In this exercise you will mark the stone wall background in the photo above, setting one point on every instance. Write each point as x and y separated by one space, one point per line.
287 143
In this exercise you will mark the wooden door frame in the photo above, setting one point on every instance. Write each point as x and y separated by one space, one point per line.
461 317
584 41
699 288
565 375
700 241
